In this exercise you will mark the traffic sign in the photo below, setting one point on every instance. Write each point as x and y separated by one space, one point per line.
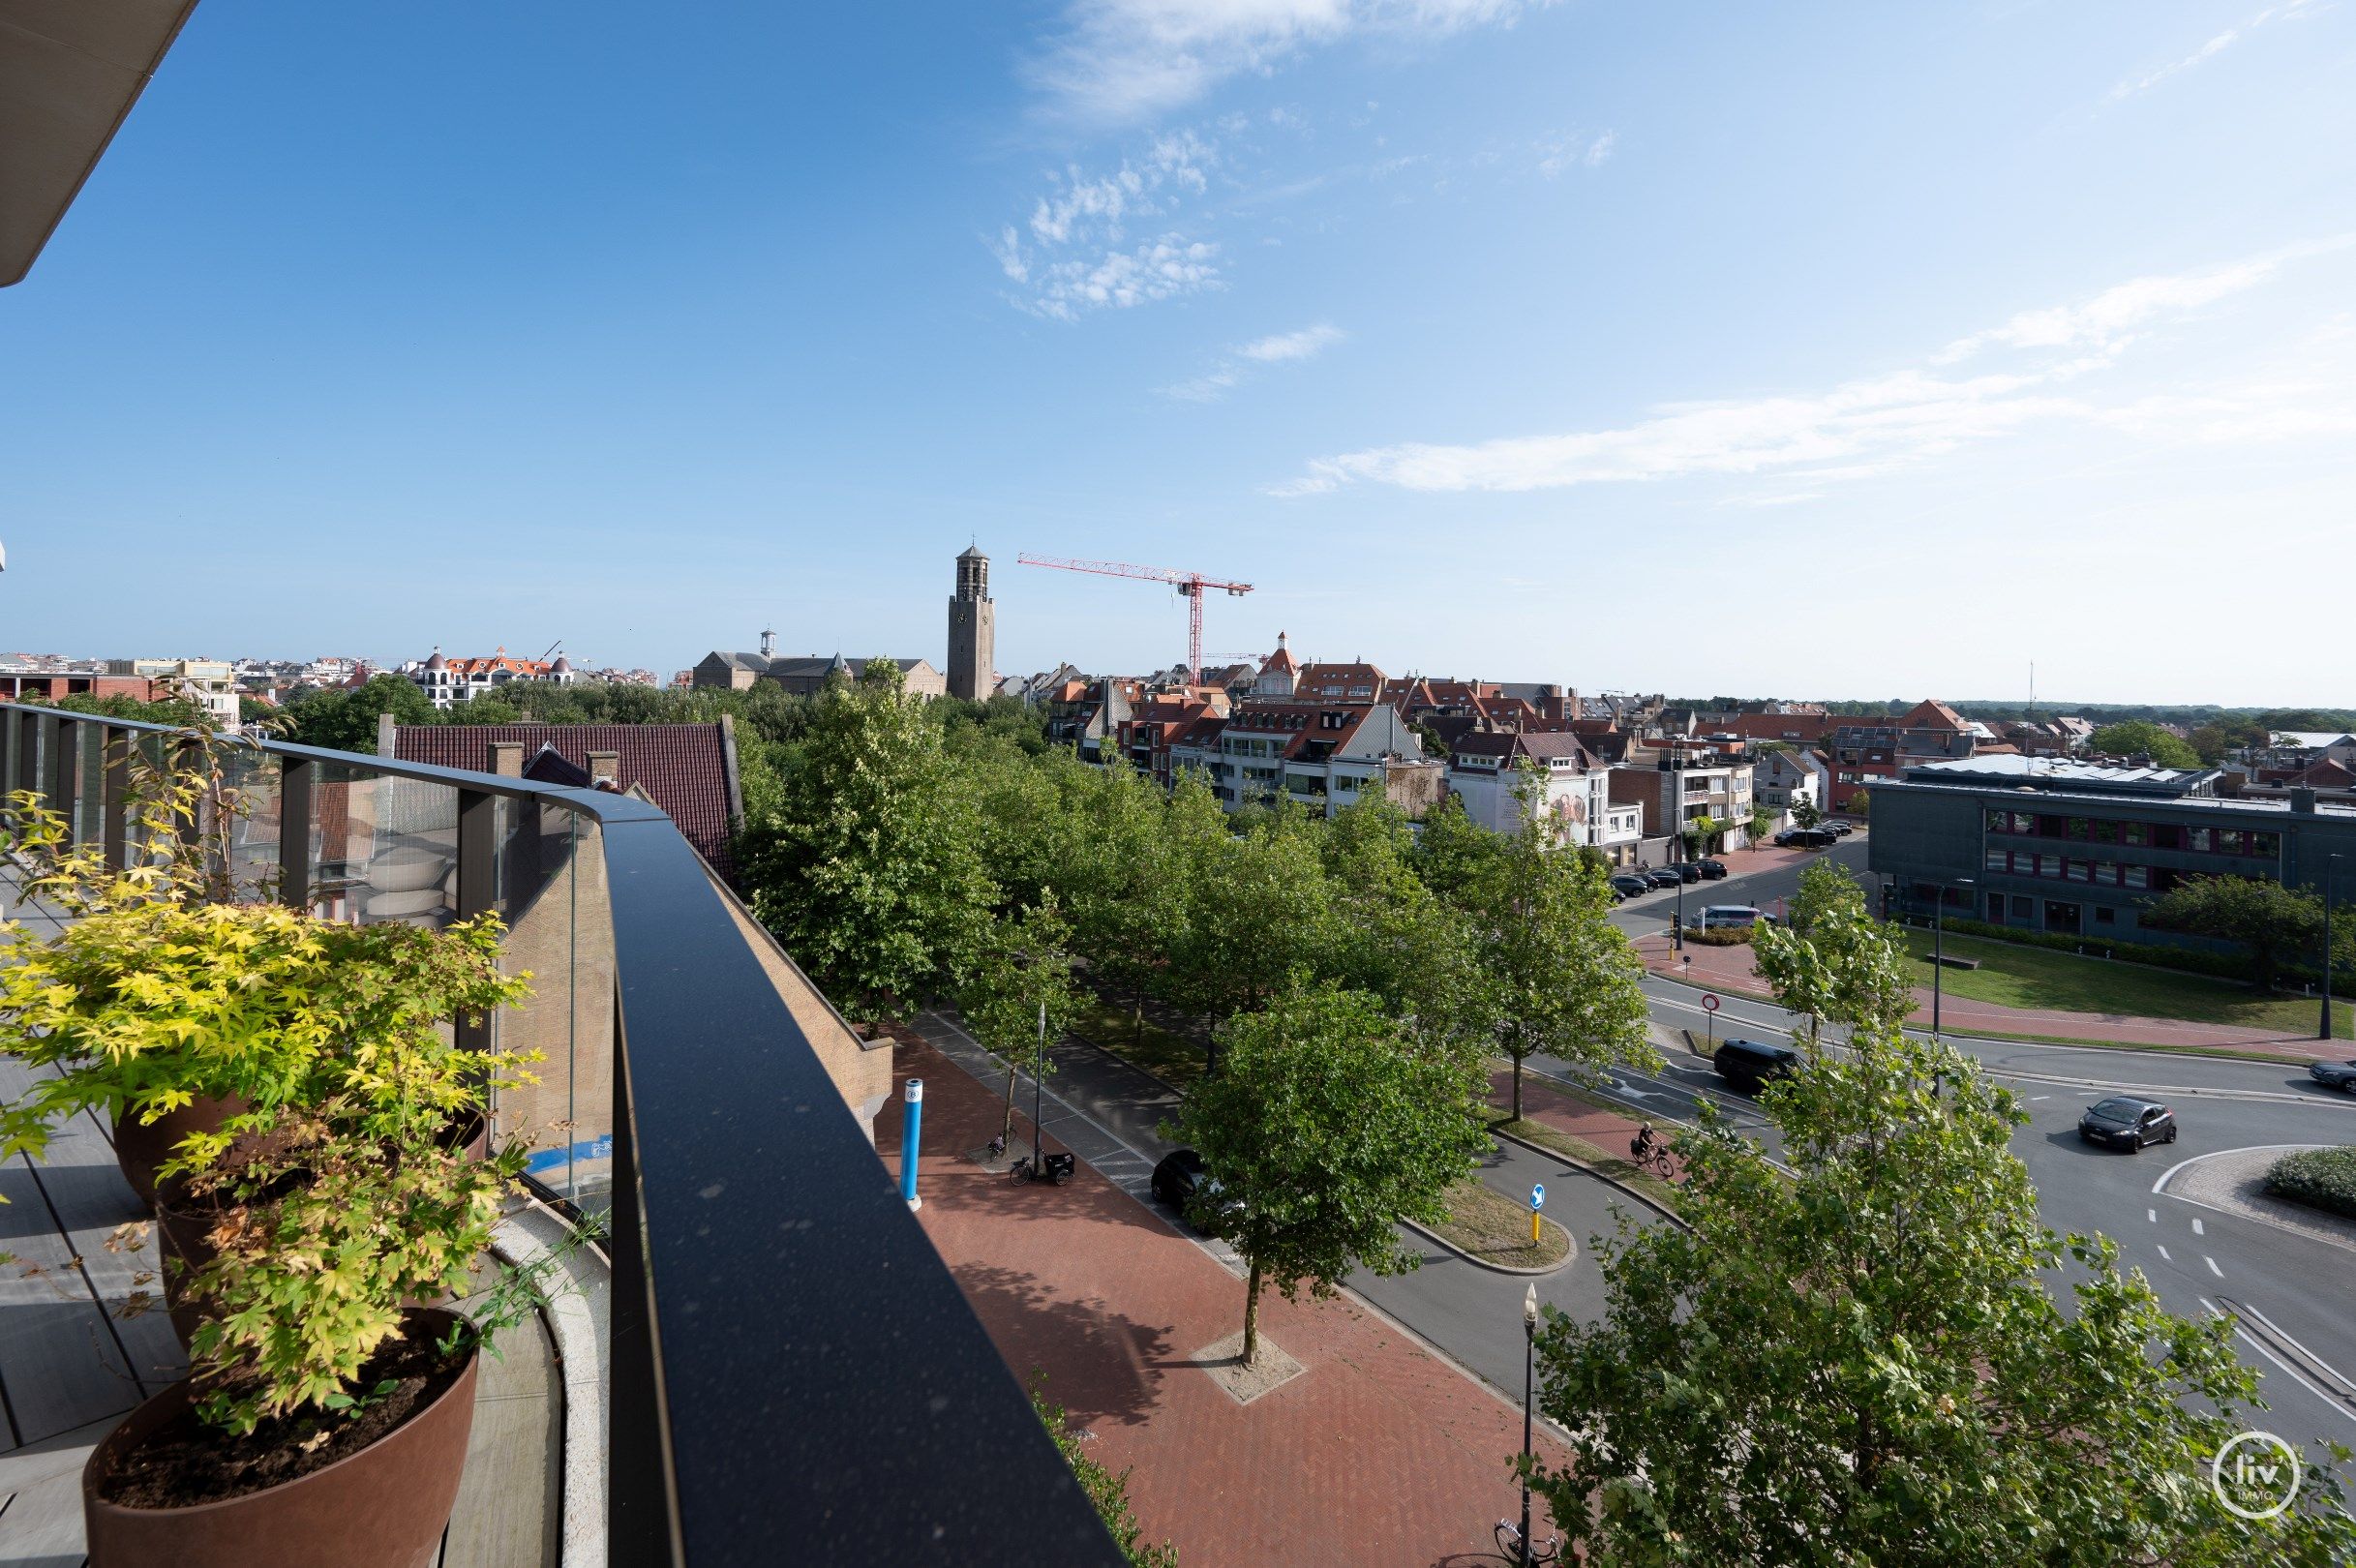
1538 1194
1709 1000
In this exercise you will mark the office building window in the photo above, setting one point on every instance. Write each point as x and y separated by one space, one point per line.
2138 876
2104 915
2081 829
2081 870
2135 833
2000 859
2106 832
2023 907
2266 844
2204 839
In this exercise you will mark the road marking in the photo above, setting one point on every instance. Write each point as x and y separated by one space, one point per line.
2263 1350
2153 1215
2213 1267
2034 1099
2197 1227
2163 1256
2276 1329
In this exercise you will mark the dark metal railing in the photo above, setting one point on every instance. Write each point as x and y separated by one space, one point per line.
794 1374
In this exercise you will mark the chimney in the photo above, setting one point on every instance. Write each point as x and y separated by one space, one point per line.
384 735
507 757
2303 799
604 768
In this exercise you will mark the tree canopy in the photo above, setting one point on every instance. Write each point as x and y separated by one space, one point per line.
2269 921
1320 1130
1860 1361
2140 738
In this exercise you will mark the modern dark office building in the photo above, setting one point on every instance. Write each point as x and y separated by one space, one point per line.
2047 844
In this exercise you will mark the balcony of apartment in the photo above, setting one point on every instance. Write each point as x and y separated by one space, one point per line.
763 1361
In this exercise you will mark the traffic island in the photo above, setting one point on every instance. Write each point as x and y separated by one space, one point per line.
1492 1230
2237 1182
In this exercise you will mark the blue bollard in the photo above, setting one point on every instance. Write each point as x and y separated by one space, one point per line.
912 1126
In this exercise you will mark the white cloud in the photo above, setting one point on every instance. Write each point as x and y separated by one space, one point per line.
1119 61
1874 424
1235 366
1158 269
1559 154
1306 343
2223 41
1093 215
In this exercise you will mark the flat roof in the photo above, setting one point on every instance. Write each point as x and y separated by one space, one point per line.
2025 797
2013 768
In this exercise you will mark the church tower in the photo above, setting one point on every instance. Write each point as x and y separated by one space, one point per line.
972 630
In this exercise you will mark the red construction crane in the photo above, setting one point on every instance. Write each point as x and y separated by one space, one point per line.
1189 584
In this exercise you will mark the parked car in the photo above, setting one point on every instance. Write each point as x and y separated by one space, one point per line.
1179 1177
2124 1122
1728 916
1711 870
2334 1075
1751 1066
1807 838
1687 872
1837 829
1663 876
1631 883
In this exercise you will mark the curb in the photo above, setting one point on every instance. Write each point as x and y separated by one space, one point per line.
1127 1061
1611 1181
1568 1259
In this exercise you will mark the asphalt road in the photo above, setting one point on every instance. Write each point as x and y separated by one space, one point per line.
2292 1292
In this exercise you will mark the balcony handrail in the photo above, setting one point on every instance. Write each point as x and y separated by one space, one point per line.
794 1375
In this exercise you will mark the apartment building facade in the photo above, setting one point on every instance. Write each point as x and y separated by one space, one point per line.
1680 789
1571 791
1322 755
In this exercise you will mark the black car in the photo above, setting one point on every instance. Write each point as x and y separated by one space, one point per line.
1808 839
2124 1122
2334 1075
1663 876
1180 1177
1747 1063
1838 829
1687 872
1711 870
1631 884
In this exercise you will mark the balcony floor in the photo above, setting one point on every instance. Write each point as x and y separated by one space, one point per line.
71 1364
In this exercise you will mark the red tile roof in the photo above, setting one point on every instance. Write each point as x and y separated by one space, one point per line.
683 767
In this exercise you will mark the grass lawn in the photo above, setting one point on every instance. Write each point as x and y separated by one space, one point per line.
2024 977
1171 1058
1496 1229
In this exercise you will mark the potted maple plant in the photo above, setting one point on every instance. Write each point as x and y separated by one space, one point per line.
327 1414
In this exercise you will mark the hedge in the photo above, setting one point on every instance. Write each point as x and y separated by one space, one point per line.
1719 936
2320 1178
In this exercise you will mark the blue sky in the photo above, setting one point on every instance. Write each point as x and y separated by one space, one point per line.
1836 351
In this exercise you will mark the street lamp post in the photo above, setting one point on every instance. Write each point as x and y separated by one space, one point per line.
1529 1363
2323 1030
1939 944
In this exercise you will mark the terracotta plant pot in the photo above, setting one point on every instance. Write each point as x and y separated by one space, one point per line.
140 1148
383 1507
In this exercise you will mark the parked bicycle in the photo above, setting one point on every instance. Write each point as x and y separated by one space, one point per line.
1056 1168
1650 1153
1534 1555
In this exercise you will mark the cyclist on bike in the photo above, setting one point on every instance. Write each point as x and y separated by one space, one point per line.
1641 1145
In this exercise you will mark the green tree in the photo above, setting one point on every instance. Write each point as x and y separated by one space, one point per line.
2267 920
1256 909
1830 960
2139 737
1805 813
1763 820
1021 991
1860 1362
184 713
345 720
1454 854
1700 835
1563 978
867 868
1323 1129
1392 936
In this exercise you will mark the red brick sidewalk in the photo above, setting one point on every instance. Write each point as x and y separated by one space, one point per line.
1729 970
1378 1453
